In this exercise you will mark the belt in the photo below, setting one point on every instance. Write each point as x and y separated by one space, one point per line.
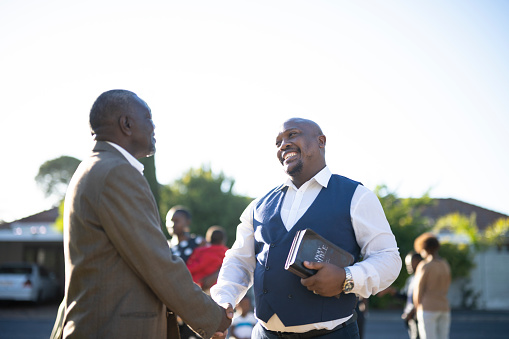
313 333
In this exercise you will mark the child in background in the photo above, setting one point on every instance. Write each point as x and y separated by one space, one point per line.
206 261
243 320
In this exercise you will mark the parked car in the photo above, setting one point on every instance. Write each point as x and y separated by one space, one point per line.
27 281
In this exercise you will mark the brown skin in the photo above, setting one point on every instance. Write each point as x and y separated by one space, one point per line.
178 225
133 130
244 306
302 139
226 321
302 143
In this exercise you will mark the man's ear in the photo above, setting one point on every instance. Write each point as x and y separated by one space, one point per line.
125 124
322 140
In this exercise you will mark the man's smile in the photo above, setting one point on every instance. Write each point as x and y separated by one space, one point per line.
289 156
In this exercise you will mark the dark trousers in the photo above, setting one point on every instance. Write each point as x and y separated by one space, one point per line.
350 331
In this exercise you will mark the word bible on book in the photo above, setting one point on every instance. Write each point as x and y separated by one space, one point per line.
311 246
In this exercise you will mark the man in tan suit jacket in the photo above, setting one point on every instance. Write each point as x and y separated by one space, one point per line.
121 280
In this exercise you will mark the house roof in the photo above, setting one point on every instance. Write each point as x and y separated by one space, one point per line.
443 207
48 216
35 228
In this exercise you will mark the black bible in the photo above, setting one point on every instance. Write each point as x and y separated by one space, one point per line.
311 246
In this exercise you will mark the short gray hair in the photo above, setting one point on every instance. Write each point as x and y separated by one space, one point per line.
108 106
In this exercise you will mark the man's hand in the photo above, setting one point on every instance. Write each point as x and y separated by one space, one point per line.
209 281
409 315
226 321
327 282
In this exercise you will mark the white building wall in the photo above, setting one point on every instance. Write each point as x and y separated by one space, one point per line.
488 282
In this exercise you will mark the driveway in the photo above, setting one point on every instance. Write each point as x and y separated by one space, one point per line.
28 321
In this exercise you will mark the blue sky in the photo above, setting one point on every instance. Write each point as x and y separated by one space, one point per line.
409 94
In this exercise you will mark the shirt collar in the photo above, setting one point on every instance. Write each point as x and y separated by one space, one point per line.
132 160
321 178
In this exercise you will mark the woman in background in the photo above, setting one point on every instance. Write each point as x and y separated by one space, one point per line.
431 284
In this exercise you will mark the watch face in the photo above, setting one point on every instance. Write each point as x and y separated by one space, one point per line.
348 286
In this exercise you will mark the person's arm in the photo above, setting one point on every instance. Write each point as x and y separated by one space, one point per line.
236 274
131 220
381 262
209 281
418 285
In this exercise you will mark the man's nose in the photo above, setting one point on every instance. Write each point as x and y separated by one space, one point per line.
284 144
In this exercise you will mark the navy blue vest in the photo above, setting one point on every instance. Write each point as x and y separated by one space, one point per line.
279 291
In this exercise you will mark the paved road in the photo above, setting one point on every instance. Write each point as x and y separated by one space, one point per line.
465 325
27 321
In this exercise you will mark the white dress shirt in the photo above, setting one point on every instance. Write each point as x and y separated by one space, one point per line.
380 266
132 160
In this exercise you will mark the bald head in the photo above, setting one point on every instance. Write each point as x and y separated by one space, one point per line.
301 149
313 126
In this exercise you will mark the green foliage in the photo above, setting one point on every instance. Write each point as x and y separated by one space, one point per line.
460 257
460 225
404 216
54 176
59 222
210 199
150 173
498 233
407 224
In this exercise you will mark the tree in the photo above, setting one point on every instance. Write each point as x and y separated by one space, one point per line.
404 216
150 173
54 176
59 222
460 224
498 233
210 199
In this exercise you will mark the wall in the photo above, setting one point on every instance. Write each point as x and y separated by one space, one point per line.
487 288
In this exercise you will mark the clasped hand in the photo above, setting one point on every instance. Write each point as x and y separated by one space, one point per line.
226 321
328 280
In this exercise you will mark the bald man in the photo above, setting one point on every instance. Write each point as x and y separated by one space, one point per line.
338 208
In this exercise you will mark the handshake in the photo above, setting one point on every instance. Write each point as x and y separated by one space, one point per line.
226 321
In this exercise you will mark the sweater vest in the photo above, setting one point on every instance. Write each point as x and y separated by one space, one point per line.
279 291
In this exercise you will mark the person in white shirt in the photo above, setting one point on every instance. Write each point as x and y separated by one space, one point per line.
340 209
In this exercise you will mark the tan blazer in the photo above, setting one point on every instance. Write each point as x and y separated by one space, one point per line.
120 273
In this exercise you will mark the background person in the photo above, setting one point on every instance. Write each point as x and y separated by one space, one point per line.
431 285
341 210
120 276
178 224
205 262
412 259
243 319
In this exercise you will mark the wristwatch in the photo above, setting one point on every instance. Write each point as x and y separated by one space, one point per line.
348 284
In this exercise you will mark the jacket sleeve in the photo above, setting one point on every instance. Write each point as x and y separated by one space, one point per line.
131 220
